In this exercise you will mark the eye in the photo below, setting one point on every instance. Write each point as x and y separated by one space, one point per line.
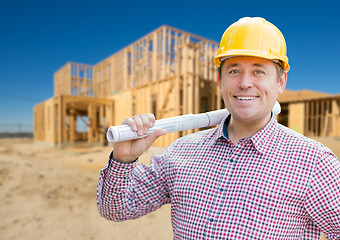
257 72
233 71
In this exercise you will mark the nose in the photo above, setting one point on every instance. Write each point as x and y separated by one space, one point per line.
245 81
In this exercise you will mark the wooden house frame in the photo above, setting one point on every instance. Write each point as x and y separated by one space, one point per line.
312 117
168 72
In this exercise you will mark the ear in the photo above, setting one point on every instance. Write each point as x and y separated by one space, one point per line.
282 82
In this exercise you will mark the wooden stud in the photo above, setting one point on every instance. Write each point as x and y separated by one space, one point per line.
171 64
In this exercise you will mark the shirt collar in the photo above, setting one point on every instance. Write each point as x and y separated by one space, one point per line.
258 139
220 128
262 136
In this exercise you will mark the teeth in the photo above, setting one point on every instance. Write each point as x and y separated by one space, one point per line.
246 98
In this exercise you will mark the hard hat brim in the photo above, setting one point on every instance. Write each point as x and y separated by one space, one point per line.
283 61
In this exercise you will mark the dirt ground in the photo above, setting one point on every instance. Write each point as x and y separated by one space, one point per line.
50 193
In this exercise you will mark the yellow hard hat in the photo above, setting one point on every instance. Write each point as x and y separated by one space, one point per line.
253 37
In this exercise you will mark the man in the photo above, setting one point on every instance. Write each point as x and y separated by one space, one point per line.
249 178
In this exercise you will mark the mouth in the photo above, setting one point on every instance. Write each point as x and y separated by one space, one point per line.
246 98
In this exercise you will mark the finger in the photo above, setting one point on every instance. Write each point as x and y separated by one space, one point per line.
139 125
132 124
152 120
146 122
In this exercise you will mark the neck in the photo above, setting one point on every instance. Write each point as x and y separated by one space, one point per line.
238 130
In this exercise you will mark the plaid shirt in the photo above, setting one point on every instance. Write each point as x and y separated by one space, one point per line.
276 184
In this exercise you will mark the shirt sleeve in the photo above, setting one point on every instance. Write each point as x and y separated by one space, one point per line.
128 191
323 199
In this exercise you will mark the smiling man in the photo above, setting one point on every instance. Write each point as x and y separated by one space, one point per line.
250 87
249 178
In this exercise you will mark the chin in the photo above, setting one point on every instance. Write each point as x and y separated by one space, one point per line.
245 116
248 116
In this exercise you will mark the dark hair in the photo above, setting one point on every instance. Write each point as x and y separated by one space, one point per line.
279 69
220 70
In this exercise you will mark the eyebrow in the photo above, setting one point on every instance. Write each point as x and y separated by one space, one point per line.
257 65
236 64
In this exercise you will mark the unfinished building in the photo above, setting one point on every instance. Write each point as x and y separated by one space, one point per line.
310 113
168 72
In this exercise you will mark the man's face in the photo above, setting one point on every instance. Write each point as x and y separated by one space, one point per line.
250 86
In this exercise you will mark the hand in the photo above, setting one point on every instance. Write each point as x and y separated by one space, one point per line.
129 151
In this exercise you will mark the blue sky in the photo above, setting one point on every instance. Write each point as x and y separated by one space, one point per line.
39 37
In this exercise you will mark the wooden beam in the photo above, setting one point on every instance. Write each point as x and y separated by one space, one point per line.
73 125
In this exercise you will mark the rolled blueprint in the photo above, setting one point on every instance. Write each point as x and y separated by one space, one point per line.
174 124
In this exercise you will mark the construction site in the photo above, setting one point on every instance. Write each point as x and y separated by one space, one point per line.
168 72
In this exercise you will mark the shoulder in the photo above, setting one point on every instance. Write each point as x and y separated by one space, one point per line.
292 136
193 141
300 144
203 136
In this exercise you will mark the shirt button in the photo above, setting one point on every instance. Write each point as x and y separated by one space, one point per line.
211 220
221 189
231 161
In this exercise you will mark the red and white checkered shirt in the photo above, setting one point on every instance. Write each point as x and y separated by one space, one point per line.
276 184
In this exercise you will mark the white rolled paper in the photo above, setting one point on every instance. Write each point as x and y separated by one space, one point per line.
174 124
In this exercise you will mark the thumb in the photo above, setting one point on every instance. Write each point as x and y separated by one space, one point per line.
154 135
